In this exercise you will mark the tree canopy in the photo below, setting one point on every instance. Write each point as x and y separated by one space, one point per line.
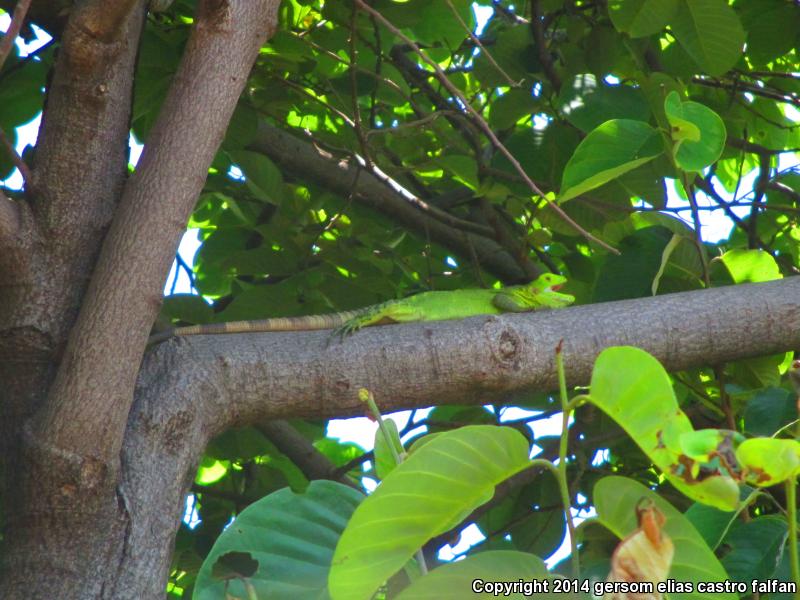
333 155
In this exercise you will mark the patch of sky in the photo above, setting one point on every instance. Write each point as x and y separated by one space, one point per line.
236 173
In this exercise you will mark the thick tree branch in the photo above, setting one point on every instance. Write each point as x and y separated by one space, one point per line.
237 379
86 124
313 463
302 159
103 20
9 220
91 396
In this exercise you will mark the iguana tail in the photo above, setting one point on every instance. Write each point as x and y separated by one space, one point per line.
307 323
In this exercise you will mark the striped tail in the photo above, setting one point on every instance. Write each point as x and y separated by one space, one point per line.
306 323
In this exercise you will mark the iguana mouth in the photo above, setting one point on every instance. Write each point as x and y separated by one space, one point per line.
555 288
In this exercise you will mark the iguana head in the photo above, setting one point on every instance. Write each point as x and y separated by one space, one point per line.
548 282
546 287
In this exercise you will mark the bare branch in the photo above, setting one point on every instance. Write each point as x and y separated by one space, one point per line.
302 159
537 28
476 40
91 395
17 19
313 463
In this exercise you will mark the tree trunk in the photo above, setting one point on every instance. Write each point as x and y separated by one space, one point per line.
85 517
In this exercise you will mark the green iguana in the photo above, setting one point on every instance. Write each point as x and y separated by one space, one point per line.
426 306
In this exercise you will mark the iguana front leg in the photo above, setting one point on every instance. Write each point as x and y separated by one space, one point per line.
394 311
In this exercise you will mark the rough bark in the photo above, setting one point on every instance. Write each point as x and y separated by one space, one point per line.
69 522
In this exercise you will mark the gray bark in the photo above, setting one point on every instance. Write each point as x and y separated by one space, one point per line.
74 320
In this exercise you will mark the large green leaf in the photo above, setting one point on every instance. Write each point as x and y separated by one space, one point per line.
754 548
616 498
455 580
697 131
291 536
588 103
263 178
710 31
631 273
744 266
769 410
614 148
768 460
439 484
639 18
633 388
772 27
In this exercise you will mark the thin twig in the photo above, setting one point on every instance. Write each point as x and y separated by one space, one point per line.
747 146
27 178
787 97
476 40
764 163
481 123
378 64
17 19
784 189
698 238
537 28
362 140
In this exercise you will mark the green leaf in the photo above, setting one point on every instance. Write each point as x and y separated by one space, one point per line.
455 579
615 499
710 522
384 457
710 31
754 548
588 104
769 460
263 177
769 410
431 491
463 168
631 273
697 131
673 243
292 536
633 388
614 148
772 27
681 129
188 308
744 266
640 18
511 107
